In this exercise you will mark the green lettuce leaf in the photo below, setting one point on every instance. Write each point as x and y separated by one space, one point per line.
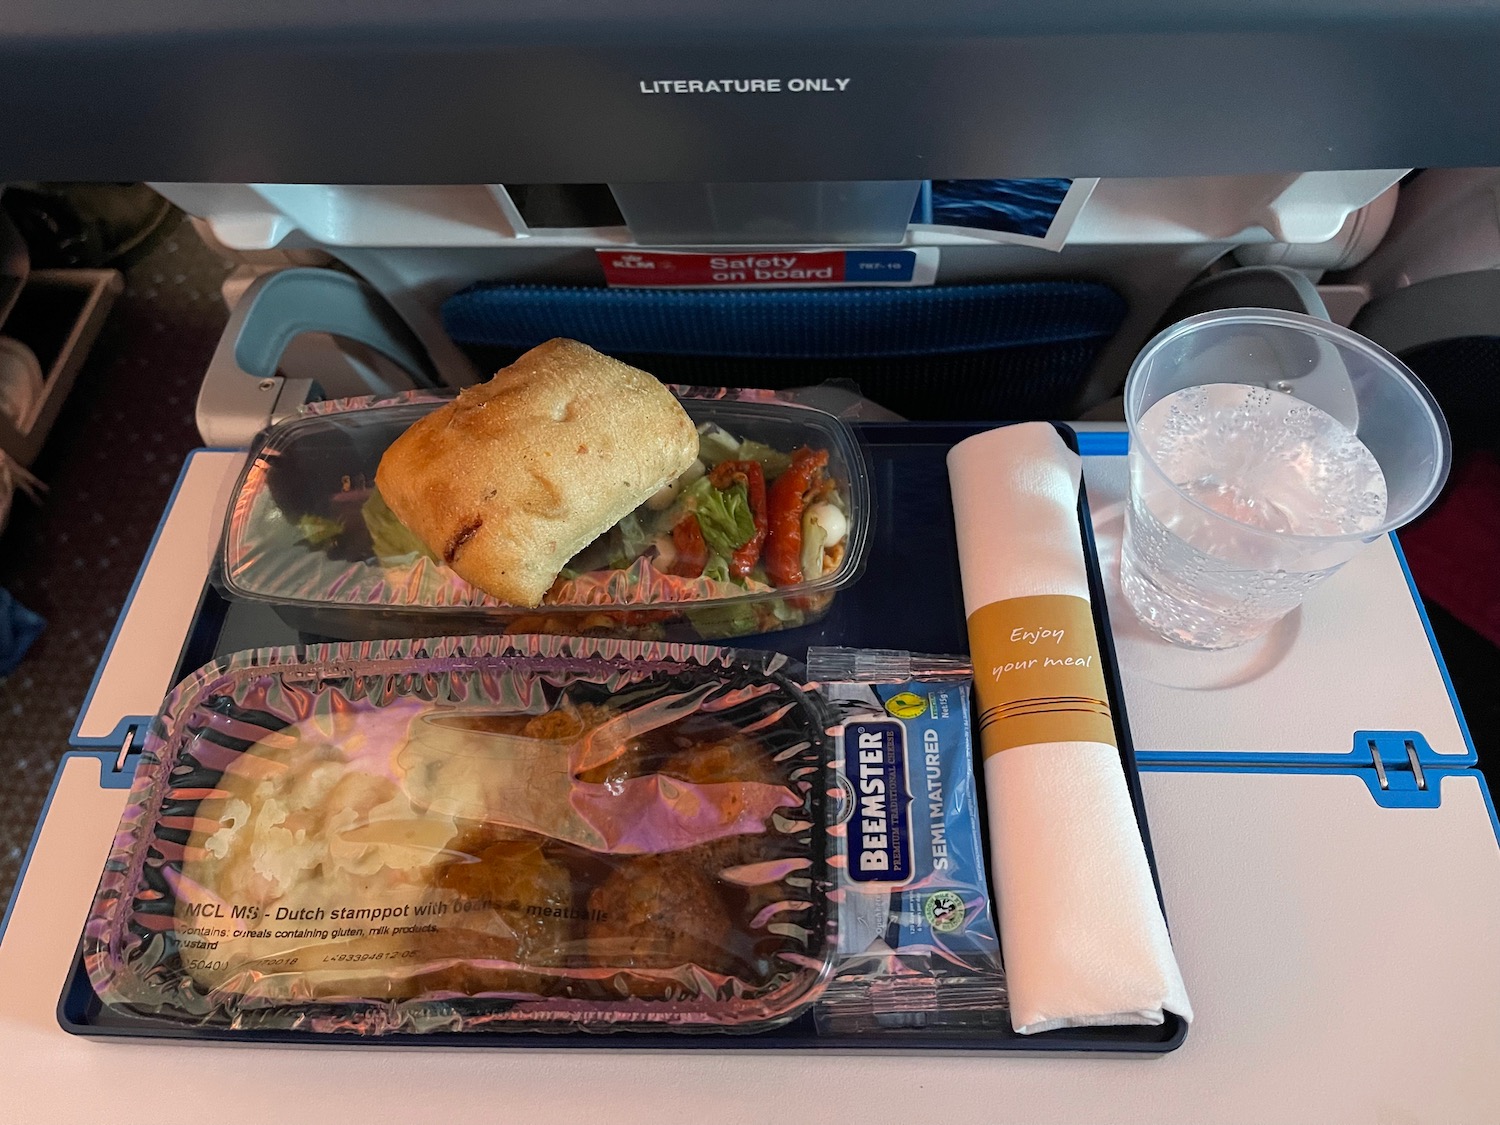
634 537
717 568
773 461
732 618
395 543
318 531
723 514
716 444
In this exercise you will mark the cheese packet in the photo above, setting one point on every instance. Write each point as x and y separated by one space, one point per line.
917 947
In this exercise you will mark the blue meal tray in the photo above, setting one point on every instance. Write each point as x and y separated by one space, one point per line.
908 598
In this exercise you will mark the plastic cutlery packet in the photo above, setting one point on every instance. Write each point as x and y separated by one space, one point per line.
472 834
917 947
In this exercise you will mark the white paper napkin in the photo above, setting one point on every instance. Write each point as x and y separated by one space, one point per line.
1082 934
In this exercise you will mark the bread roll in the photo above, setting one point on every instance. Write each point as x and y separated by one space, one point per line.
519 474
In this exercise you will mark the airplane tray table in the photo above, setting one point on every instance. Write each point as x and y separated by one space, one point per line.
1338 926
908 598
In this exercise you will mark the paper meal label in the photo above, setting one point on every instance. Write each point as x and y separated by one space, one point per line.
1037 673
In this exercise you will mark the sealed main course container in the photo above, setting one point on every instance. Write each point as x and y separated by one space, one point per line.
309 535
462 834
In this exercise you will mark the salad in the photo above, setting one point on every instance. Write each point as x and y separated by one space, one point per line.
744 514
744 518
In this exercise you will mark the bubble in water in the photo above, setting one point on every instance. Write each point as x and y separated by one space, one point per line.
1265 459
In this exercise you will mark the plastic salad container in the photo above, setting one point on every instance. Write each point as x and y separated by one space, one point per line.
470 834
308 535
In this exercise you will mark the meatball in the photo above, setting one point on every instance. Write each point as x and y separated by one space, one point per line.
735 766
527 897
658 912
731 759
555 725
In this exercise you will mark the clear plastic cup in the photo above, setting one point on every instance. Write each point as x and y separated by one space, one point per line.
1266 448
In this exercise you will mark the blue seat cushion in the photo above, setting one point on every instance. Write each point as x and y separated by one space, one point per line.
1009 350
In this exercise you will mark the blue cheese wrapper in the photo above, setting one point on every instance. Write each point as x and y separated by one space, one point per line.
917 939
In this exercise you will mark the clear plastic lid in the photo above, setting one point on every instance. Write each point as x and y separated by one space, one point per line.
473 833
308 534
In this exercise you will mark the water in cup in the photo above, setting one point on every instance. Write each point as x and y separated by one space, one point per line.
1267 448
1277 470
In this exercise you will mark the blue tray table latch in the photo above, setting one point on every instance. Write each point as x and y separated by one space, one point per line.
129 756
1397 775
